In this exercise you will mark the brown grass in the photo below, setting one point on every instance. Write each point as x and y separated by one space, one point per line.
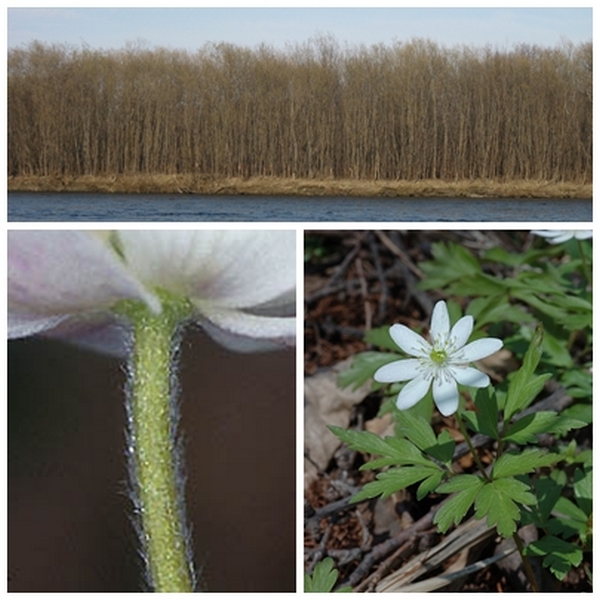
273 186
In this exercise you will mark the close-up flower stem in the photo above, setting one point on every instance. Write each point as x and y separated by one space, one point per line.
157 487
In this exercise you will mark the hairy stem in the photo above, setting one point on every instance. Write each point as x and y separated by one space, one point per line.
158 487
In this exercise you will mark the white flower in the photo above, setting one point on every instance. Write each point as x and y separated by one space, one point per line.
557 236
66 283
443 362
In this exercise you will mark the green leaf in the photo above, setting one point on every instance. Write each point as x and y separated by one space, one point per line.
363 368
564 424
487 412
582 486
455 508
420 433
578 383
526 428
428 485
510 464
444 451
559 556
547 492
394 451
556 351
497 500
392 481
567 508
323 578
381 338
496 309
416 429
450 262
524 385
580 412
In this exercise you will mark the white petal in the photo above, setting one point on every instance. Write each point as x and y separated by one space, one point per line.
409 341
236 269
445 395
583 234
413 391
461 331
399 370
470 376
440 322
53 275
478 349
101 333
248 333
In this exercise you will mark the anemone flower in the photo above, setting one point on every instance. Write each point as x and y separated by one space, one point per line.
240 284
442 363
131 292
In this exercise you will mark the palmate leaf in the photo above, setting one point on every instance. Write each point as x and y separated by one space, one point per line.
485 420
450 262
394 480
394 451
455 508
497 501
363 368
559 556
323 578
380 336
582 486
525 429
421 434
510 464
524 385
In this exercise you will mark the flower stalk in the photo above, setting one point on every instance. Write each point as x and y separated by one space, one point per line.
157 485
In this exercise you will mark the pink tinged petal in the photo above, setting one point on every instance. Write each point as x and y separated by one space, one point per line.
100 333
409 341
413 391
53 275
461 331
445 395
470 376
440 322
478 349
399 370
235 269
248 333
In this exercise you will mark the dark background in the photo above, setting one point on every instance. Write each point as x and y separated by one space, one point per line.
69 523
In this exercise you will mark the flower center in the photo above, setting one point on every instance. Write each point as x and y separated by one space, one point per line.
438 356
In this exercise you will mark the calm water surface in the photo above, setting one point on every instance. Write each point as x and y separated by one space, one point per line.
23 206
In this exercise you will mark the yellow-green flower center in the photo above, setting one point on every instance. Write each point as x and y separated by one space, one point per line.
438 356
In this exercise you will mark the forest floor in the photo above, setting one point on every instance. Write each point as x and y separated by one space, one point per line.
274 186
355 281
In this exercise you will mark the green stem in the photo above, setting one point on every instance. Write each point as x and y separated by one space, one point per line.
474 453
524 558
526 563
158 488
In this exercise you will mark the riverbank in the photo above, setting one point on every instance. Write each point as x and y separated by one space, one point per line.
272 186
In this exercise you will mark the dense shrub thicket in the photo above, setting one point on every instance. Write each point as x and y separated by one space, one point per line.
406 111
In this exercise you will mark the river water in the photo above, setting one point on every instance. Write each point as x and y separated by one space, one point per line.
24 206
